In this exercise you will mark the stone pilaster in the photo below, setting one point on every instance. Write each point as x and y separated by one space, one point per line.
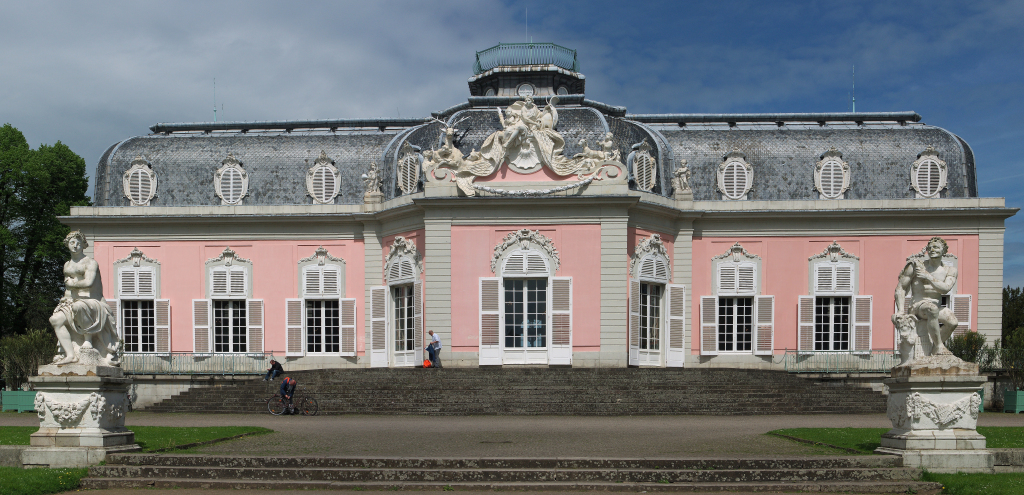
614 292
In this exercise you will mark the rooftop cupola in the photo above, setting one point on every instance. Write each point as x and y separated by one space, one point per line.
520 69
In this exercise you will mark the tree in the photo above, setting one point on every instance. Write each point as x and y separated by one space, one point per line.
36 186
1013 311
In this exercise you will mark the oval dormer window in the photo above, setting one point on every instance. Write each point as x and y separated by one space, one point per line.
231 182
139 182
323 180
562 90
928 175
735 180
832 178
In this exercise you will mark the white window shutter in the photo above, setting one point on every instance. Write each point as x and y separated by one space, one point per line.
115 309
824 277
237 276
805 320
661 269
395 271
647 269
348 327
219 281
311 281
764 310
634 323
294 311
727 278
962 310
490 321
676 312
417 302
560 348
163 325
862 323
331 281
745 279
535 264
378 327
254 314
516 263
127 286
844 279
201 326
146 283
708 326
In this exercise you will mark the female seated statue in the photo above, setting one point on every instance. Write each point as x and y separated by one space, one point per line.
82 319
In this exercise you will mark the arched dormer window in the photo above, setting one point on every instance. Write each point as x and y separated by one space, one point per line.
834 317
657 308
735 177
396 309
231 181
832 175
139 182
525 310
323 180
143 319
928 174
229 320
321 321
737 319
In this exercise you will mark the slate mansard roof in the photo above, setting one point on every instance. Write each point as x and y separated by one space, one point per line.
782 149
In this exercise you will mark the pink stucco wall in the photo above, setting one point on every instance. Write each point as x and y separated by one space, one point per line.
275 278
784 274
579 248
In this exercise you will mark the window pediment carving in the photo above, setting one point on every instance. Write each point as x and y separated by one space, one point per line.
323 180
928 174
139 182
322 257
228 275
231 181
832 175
834 253
136 258
228 257
736 254
403 263
736 272
321 275
650 260
735 176
525 240
137 276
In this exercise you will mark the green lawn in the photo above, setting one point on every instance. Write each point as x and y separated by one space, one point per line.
979 484
866 440
15 481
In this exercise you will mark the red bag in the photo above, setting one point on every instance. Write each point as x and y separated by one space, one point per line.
426 363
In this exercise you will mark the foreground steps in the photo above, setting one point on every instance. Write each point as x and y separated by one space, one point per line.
542 391
860 474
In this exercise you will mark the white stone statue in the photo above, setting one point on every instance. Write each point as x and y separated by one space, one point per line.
372 179
82 319
681 177
926 324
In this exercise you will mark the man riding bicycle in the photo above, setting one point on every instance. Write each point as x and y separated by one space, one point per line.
288 391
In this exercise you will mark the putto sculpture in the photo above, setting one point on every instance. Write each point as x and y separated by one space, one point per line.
82 319
925 325
527 142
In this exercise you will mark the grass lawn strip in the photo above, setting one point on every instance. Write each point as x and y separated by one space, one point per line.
17 481
978 484
866 440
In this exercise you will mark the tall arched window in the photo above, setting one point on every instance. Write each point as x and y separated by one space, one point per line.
396 309
525 310
657 320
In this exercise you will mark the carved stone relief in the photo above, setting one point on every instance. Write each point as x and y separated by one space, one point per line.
736 254
525 239
834 253
404 248
322 257
915 406
228 257
644 248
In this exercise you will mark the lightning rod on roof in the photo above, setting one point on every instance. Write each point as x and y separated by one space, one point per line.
215 99
853 88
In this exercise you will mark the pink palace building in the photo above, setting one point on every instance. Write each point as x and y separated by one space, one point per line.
529 225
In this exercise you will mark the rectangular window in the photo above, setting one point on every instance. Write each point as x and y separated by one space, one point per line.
832 323
650 316
526 313
229 326
323 326
735 323
405 318
138 319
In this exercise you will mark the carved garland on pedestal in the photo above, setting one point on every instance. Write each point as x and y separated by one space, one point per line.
524 239
68 413
942 415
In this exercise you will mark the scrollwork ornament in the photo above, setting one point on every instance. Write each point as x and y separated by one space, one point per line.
402 247
525 238
649 245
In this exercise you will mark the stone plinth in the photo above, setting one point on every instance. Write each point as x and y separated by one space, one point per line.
81 410
933 407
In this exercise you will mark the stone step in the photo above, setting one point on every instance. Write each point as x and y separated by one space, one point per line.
879 487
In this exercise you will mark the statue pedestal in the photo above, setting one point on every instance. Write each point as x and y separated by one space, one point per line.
686 195
933 406
81 411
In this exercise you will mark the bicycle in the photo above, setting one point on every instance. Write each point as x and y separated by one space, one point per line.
305 404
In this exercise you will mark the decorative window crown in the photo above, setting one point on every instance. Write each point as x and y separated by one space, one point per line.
403 263
409 163
928 174
526 240
834 253
139 182
323 180
735 176
650 260
228 257
322 257
136 257
229 275
736 254
137 276
231 181
644 166
832 175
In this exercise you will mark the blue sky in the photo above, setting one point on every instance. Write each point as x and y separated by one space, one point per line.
93 73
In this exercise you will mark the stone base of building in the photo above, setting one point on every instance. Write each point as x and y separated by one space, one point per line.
81 410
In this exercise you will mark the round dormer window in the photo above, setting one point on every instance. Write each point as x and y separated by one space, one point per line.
562 90
526 89
489 92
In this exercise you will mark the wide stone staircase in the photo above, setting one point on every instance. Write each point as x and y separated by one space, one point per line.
541 391
858 474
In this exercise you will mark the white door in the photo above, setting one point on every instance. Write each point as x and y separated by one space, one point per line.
525 326
403 326
651 328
